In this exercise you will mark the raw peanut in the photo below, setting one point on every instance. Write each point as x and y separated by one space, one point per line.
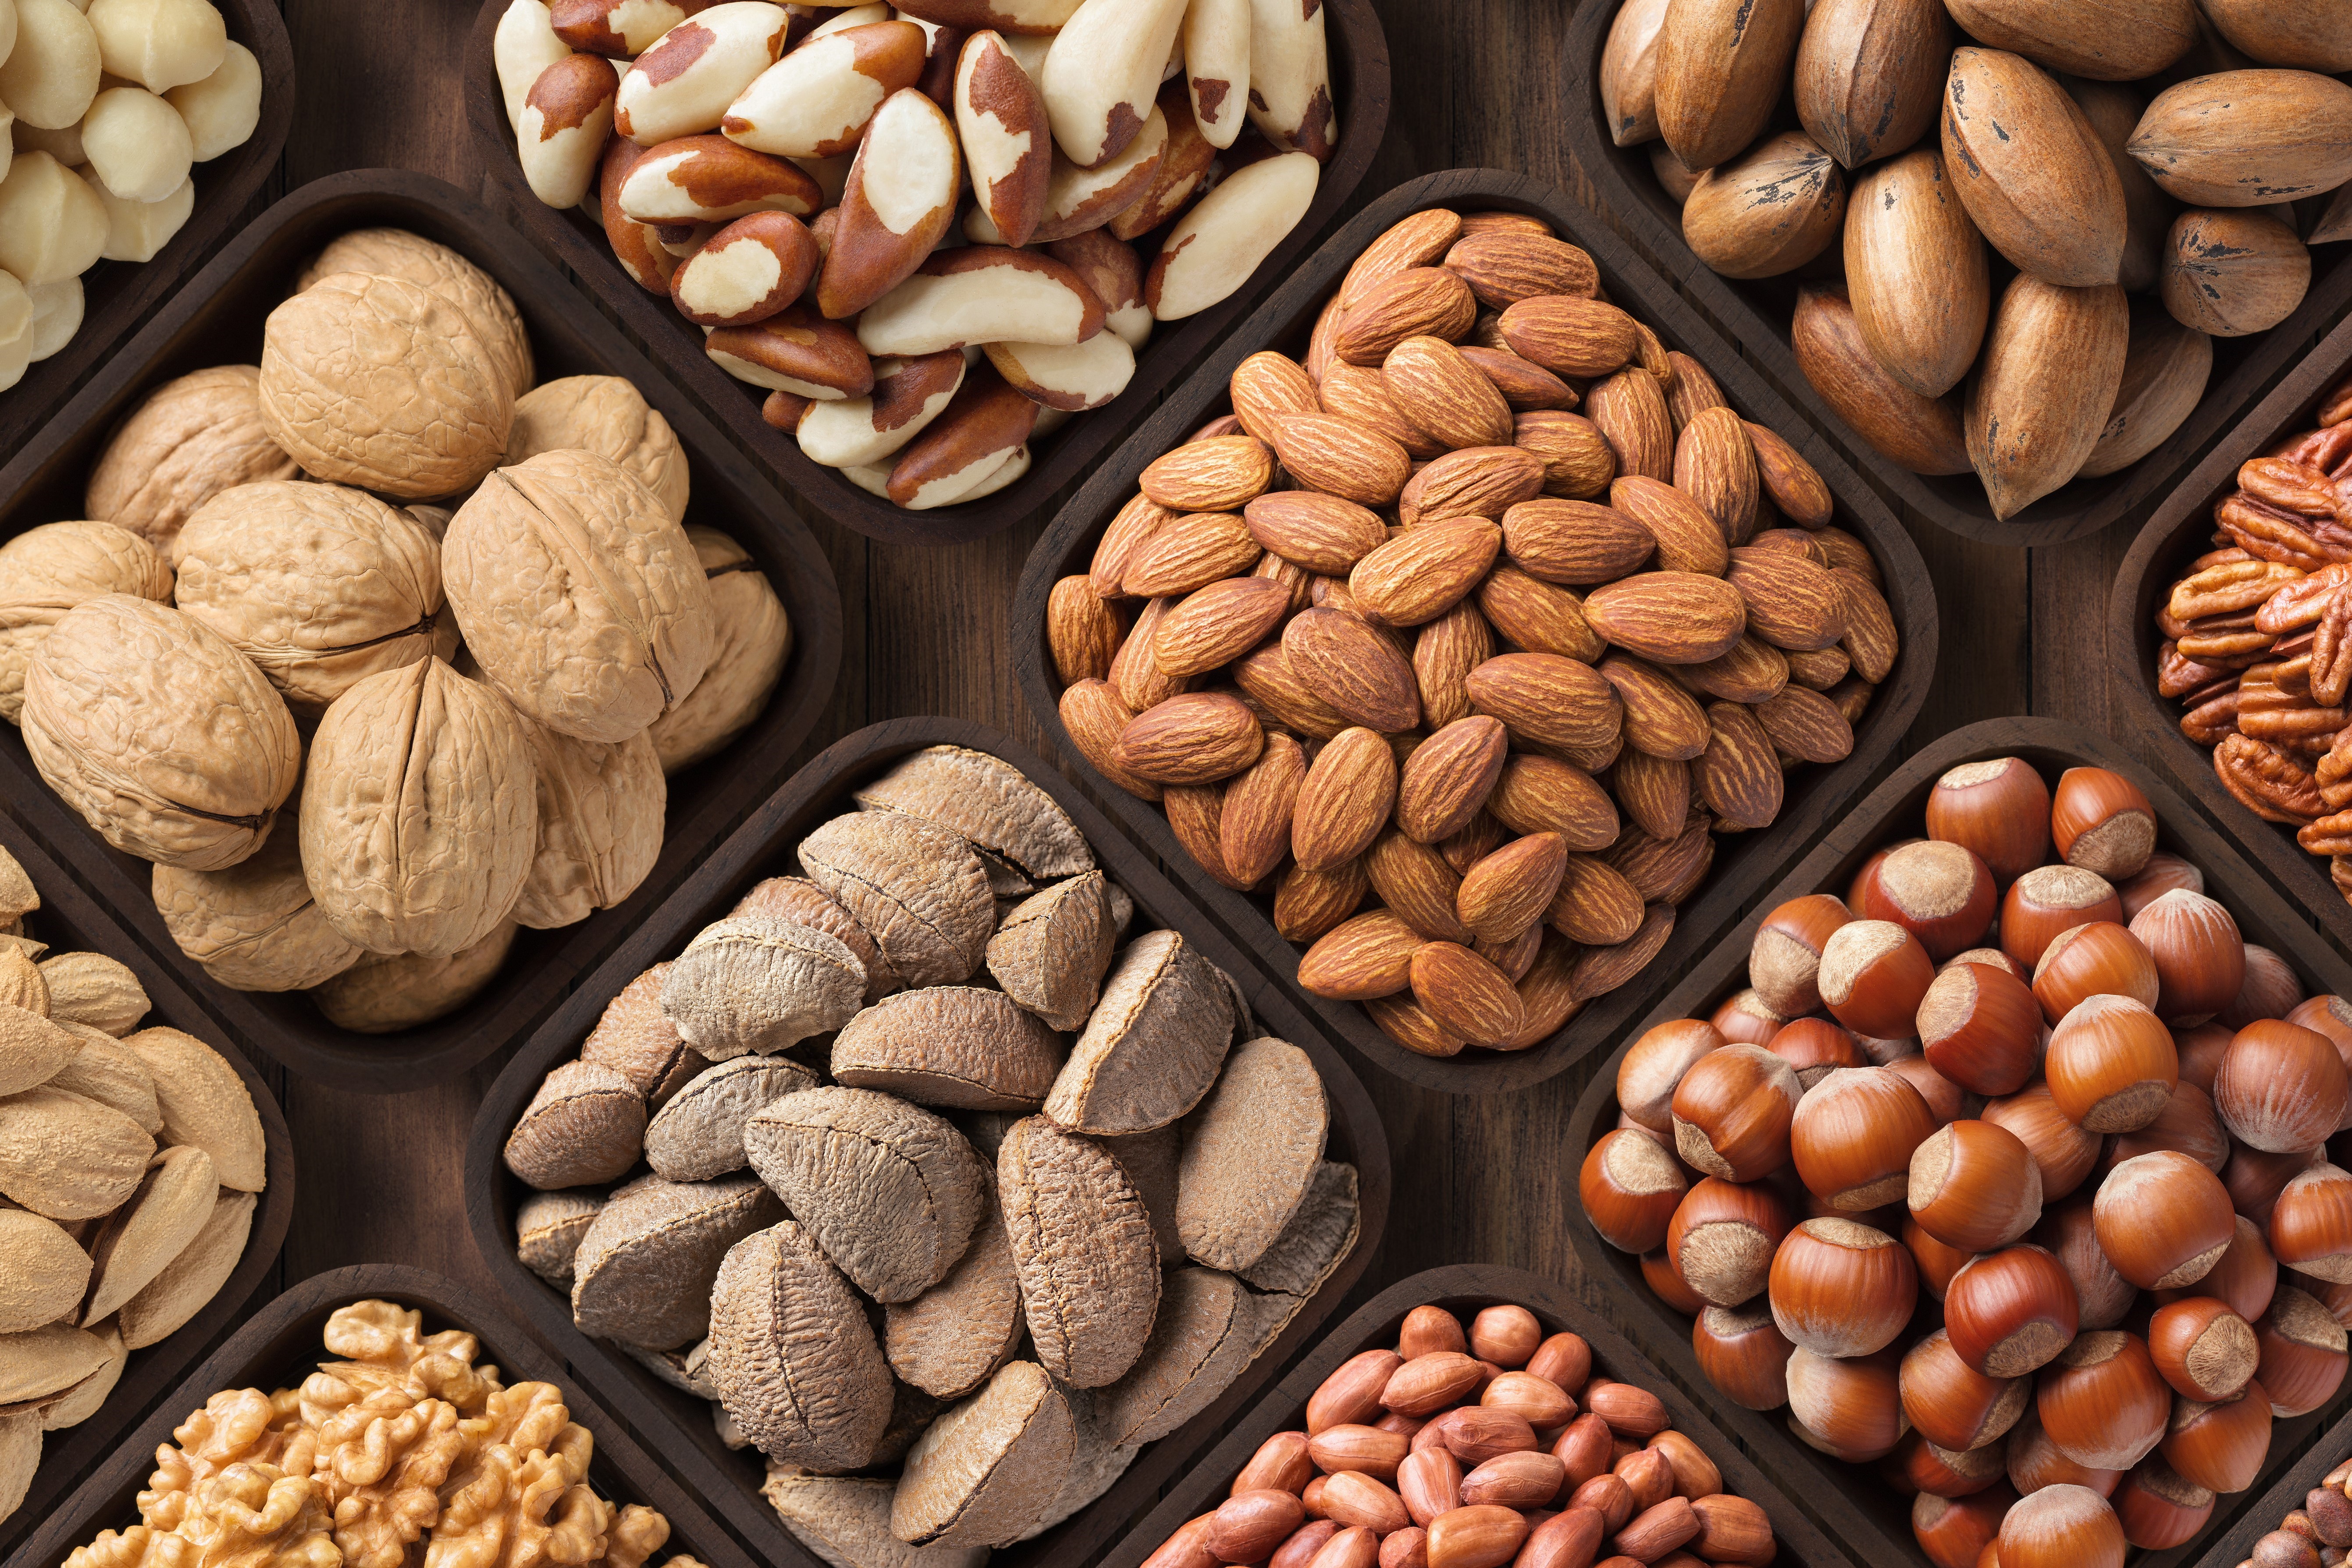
1281 1462
1428 1481
1249 1525
1357 1499
1476 1536
1356 1448
1522 1480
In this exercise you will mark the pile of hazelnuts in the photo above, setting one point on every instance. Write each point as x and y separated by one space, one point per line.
1474 1450
1991 1173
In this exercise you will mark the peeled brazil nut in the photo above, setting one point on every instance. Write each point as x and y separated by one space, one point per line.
817 101
746 273
1187 164
907 395
986 421
635 244
418 820
618 29
565 119
795 351
685 81
899 200
1080 199
981 294
165 737
1102 74
1111 269
754 639
1215 245
708 179
1007 141
582 601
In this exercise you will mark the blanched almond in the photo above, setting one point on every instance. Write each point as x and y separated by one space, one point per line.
981 294
746 273
900 197
1001 116
682 85
1214 247
817 101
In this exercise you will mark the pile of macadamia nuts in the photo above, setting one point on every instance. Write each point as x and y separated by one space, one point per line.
106 105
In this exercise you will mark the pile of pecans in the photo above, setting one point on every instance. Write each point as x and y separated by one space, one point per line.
2255 647
1473 1450
1467 682
2316 1535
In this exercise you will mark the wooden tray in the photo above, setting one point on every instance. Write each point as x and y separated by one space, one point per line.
1744 864
1462 1288
2177 534
279 1345
1360 82
118 295
69 920
1757 314
678 1425
217 318
1868 1517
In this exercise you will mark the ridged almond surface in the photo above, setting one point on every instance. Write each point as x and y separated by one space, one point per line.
1575 542
2248 138
1722 65
1539 616
1370 955
1737 775
1348 664
1869 73
1345 800
1425 572
2050 368
1689 539
1418 885
1715 464
1445 652
1662 719
1916 273
1629 409
1922 434
1767 211
1448 777
1669 617
2166 366
2030 171
2106 40
1447 396
1548 701
1793 603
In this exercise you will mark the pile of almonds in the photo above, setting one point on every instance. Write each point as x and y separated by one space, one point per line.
2095 1144
2316 1535
2254 644
1474 1450
2153 175
1404 630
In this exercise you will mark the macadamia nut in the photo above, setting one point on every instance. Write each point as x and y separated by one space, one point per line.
64 145
8 26
138 144
222 111
16 331
51 74
52 225
159 44
56 315
135 231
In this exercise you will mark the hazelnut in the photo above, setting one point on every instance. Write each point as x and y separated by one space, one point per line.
2100 821
2011 1312
1853 1134
2220 1445
2062 1526
2098 959
2301 1351
1784 961
1974 1186
1872 976
1952 1405
2280 1088
2200 958
2111 1065
1999 809
2163 873
1745 1355
2101 1296
2102 1401
1850 1409
1981 1027
1721 1240
1631 1185
2160 1508
1840 1288
2049 900
1732 1111
2065 1150
2163 1219
1940 893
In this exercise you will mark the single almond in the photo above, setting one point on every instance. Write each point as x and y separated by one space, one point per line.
1669 617
1267 385
1367 956
1254 818
1211 626
1593 904
1415 883
1806 725
1548 701
1577 338
1134 674
1425 572
1345 800
1193 738
1352 669
1082 631
1688 538
1446 782
1476 481
1577 458
1714 465
1662 719
1509 891
1504 267
1543 794
1187 553
1308 905
1420 301
1449 399
1468 997
1223 474
1538 616
1095 717
1629 409
1575 542
1791 602
1445 652
1342 456
1739 775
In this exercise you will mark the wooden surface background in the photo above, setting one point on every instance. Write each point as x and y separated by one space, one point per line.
1476 82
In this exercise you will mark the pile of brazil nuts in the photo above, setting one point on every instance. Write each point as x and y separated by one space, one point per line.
2256 649
1404 630
462 609
1059 1169
105 107
1129 162
2063 1099
130 1160
2316 1535
1473 1450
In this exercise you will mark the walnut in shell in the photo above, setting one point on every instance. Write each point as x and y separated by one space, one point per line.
205 1103
548 1228
1251 1150
489 310
582 601
919 889
988 801
1204 1334
586 1124
418 821
600 825
947 1341
43 1272
953 1046
47 570
383 993
889 1191
1153 1044
700 1133
254 926
750 640
607 415
1053 947
846 1522
793 1359
376 381
637 1039
1082 1242
320 586
751 982
643 1273
802 901
94 989
166 739
990 1468
189 440
66 1158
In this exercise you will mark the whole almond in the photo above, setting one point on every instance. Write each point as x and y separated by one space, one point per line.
1445 652
1320 353
2031 172
1819 671
1515 955
1362 394
1323 533
1669 617
1794 486
1468 997
1266 674
1402 1019
1095 717
1689 539
1574 541
1309 904
1342 457
1663 869
1541 794
1368 955
1795 541
1267 385
1870 74
1524 384
1417 885
1509 891
1722 65
1221 474
1547 997
1600 970
2085 38
1482 838
1568 335
1195 815
1449 777
1871 639
1345 800
1593 904
1082 631
1807 725
1576 457
1476 481
1447 397
1916 273
1629 72
1253 820
1661 718
1505 267
1415 241
2049 374
1353 668
1425 572
1190 552
1297 582
1419 301
1545 700
1921 433
1137 522
1135 675
2246 138
1193 738
1737 775
1214 625
2165 367
1537 616
1691 388
1715 464
1791 602
1655 792
1751 672
1770 210
1629 409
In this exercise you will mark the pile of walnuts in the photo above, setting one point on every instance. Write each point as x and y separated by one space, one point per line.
405 1449
277 570
1145 1205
